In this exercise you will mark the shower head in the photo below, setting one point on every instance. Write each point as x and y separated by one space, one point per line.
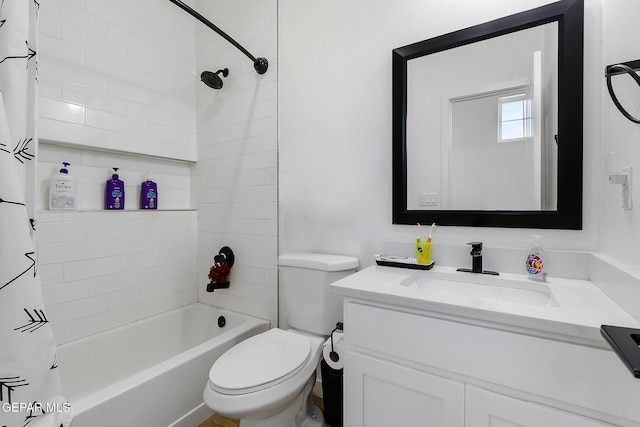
212 79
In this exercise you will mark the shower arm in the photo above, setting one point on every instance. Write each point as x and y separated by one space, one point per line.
260 64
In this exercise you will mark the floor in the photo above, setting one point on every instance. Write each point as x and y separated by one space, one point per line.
220 421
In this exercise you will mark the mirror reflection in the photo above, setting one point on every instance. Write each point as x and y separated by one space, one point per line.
483 137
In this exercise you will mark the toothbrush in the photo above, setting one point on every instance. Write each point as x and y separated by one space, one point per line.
433 227
418 230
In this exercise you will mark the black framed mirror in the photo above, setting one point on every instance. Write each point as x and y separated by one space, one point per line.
454 166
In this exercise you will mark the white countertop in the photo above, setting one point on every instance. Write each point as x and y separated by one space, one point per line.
574 313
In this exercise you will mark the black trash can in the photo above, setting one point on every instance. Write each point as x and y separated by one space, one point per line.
332 394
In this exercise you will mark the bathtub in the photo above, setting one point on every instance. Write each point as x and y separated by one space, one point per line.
151 372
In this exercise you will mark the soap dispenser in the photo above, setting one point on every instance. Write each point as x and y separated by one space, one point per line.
114 192
62 190
148 194
535 263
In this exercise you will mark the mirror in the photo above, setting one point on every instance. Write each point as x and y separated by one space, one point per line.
487 123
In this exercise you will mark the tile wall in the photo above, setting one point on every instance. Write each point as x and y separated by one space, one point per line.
119 75
234 183
116 89
119 87
100 270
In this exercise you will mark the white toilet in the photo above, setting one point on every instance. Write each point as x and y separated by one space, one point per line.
267 380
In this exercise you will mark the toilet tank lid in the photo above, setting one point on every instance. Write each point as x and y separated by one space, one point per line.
318 261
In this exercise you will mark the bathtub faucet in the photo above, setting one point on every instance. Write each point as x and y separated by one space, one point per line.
212 286
220 270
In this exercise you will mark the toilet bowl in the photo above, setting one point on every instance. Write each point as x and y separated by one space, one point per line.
267 380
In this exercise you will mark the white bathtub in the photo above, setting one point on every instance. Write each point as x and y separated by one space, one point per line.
151 372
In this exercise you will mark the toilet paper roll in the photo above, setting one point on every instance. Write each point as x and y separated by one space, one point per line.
335 358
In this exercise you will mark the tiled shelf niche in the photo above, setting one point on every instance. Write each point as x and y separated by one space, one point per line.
92 168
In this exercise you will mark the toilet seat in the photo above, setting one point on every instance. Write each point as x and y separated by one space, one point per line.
260 362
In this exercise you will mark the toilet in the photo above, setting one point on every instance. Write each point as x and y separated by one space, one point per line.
267 380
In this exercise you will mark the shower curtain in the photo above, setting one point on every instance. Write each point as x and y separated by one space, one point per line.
29 378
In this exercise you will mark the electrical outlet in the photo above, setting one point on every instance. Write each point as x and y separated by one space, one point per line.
428 199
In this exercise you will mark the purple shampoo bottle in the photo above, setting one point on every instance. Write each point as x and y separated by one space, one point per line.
148 194
114 193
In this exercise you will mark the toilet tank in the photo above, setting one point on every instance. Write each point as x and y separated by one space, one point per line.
308 304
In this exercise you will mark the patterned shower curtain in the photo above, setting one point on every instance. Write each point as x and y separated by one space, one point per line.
29 378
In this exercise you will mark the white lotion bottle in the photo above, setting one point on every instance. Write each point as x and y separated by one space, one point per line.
62 190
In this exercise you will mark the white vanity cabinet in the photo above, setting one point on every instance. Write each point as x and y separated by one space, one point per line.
487 409
410 368
382 394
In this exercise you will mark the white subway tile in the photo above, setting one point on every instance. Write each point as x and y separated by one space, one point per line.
94 43
152 306
149 113
76 270
50 274
53 67
53 253
57 131
95 99
131 35
119 141
62 50
186 297
115 229
79 309
116 282
96 323
131 295
64 292
50 25
60 110
61 232
111 68
114 122
153 65
49 87
66 12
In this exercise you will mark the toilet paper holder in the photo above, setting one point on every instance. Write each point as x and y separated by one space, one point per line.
333 355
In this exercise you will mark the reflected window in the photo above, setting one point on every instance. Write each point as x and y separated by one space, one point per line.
514 118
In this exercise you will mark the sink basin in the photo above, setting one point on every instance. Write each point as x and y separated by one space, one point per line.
478 289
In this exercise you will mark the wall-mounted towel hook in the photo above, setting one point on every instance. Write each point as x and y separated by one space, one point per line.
623 68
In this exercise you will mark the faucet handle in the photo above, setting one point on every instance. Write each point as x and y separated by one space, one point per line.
476 247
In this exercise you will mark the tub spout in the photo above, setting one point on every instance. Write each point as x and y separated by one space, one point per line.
212 286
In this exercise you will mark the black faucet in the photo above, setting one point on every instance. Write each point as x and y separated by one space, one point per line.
476 260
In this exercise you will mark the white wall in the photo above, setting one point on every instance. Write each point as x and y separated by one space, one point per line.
234 183
621 138
335 123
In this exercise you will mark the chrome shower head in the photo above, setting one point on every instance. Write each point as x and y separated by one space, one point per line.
212 79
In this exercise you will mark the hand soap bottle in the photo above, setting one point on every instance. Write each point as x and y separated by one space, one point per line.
148 194
114 192
62 190
535 263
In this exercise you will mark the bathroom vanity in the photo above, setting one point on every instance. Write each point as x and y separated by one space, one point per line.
452 349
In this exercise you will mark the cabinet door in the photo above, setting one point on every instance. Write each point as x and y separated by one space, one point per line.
379 393
487 409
